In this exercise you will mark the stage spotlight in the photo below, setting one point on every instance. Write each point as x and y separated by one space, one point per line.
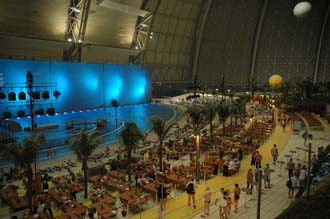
51 111
6 114
36 95
22 95
12 96
56 94
40 111
21 113
2 95
45 95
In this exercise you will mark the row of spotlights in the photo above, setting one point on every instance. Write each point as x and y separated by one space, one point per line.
70 40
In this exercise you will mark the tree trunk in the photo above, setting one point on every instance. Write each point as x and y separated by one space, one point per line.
85 169
29 186
116 117
211 130
235 120
129 157
231 124
161 155
223 127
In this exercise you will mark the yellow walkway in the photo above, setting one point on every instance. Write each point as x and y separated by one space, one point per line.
177 208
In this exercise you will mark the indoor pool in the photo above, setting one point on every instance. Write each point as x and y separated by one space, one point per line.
141 114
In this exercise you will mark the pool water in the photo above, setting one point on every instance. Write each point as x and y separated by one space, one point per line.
141 114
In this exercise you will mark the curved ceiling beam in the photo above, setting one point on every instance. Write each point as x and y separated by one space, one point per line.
199 30
256 42
320 43
142 31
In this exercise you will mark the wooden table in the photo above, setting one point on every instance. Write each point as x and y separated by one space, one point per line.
60 180
41 215
75 208
8 193
77 187
107 198
118 174
104 210
59 196
68 215
18 203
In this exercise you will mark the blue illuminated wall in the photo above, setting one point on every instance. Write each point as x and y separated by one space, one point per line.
82 85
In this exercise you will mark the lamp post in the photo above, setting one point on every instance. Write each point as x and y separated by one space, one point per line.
197 156
29 85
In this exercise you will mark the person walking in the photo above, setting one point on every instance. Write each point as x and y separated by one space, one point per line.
237 193
221 201
290 166
229 202
249 181
191 190
274 152
258 157
207 202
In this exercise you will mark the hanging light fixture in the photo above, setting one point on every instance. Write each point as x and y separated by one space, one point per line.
50 111
21 113
6 114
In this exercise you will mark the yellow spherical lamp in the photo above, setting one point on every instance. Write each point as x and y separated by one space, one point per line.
275 81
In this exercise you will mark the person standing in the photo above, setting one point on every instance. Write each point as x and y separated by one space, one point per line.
283 122
267 173
162 195
237 193
191 191
47 206
249 181
207 202
258 158
302 177
292 185
305 136
274 152
290 166
225 168
221 201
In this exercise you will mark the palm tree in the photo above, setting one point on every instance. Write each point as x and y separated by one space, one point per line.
23 155
235 112
115 104
84 147
241 106
161 129
223 112
210 111
131 136
196 114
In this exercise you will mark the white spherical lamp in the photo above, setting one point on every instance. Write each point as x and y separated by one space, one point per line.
302 9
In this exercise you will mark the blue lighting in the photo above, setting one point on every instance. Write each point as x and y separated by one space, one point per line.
82 85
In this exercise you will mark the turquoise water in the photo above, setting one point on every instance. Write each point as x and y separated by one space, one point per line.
140 114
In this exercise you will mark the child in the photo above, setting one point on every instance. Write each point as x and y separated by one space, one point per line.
207 201
228 202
